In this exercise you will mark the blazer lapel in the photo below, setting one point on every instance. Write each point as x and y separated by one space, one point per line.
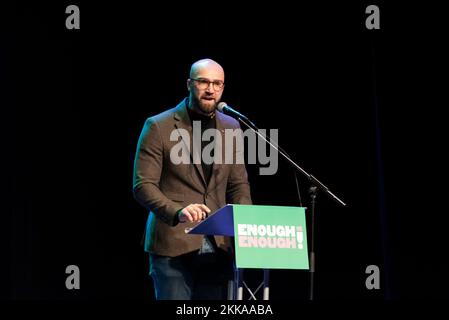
216 167
182 121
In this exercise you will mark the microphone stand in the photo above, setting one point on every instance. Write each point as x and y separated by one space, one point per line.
313 190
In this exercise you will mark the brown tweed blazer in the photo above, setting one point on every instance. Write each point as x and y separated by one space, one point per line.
164 187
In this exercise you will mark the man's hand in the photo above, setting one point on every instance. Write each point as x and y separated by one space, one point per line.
193 212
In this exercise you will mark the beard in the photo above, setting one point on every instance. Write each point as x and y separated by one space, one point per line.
205 106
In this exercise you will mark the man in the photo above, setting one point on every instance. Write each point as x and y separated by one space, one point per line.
180 195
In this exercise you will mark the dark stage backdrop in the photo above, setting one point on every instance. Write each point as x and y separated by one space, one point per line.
357 108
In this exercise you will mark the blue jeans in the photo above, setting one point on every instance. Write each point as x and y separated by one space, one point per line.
192 276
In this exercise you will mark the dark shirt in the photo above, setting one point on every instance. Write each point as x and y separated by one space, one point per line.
206 123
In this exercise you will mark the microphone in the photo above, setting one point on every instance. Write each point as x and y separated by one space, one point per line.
224 108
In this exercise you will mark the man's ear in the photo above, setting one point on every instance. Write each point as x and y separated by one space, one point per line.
188 84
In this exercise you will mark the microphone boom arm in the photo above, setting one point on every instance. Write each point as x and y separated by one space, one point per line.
317 183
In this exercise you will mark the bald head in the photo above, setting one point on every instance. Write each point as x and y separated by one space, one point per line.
207 66
203 96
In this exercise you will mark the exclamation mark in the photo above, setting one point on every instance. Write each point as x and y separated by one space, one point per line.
299 236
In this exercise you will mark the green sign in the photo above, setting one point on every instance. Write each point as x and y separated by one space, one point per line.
270 237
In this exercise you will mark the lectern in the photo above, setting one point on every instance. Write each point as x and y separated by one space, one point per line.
265 237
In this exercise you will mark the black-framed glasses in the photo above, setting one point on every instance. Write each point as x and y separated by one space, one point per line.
205 83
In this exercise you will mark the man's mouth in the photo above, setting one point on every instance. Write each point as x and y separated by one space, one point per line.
208 98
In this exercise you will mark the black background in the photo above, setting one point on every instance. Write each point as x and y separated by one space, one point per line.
357 108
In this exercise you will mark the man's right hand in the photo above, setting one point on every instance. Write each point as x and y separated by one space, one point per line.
193 212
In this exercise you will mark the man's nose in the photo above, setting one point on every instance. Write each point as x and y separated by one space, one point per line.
210 87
